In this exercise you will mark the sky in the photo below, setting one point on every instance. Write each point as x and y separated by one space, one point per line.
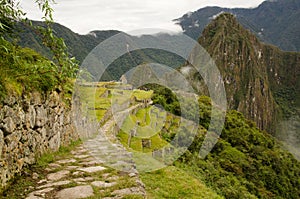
83 16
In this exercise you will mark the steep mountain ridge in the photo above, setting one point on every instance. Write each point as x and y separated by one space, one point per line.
254 74
274 22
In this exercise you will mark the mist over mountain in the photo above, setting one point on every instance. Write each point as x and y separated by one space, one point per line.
274 22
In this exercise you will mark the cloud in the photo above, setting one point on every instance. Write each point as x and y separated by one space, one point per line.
85 16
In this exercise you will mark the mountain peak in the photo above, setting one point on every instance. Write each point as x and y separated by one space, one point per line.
274 22
225 28
240 57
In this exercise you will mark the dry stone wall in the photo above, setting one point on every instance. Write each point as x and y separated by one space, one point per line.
29 126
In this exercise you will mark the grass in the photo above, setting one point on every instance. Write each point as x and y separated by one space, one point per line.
156 143
23 71
145 162
172 182
141 94
50 157
129 123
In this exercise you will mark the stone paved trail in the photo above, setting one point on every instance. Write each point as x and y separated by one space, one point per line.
83 176
97 168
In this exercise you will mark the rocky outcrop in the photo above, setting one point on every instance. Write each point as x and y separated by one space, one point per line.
29 126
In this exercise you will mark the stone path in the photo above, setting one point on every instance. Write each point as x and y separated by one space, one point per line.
81 175
111 154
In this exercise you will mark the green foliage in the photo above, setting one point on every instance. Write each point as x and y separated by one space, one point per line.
172 182
9 13
23 70
164 97
67 67
50 157
245 163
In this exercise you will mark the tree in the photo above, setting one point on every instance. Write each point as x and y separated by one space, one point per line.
9 13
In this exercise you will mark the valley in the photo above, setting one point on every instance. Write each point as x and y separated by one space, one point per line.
209 112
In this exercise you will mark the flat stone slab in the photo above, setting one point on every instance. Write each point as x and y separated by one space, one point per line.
83 179
66 161
90 163
81 156
76 192
31 196
128 191
92 169
53 165
72 167
103 184
59 183
76 173
58 175
39 194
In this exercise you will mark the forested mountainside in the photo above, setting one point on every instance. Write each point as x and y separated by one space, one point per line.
79 46
245 162
274 22
261 81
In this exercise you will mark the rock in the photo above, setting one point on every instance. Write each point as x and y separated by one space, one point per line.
58 175
76 192
12 141
76 173
31 196
9 125
66 161
146 143
19 118
90 163
103 184
54 142
30 117
83 179
140 183
128 191
72 167
35 176
27 130
1 143
43 132
42 181
92 169
35 98
132 175
113 178
37 194
41 116
53 165
53 184
54 99
81 156
10 100
43 191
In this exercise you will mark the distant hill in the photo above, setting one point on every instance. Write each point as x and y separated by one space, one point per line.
275 22
80 46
